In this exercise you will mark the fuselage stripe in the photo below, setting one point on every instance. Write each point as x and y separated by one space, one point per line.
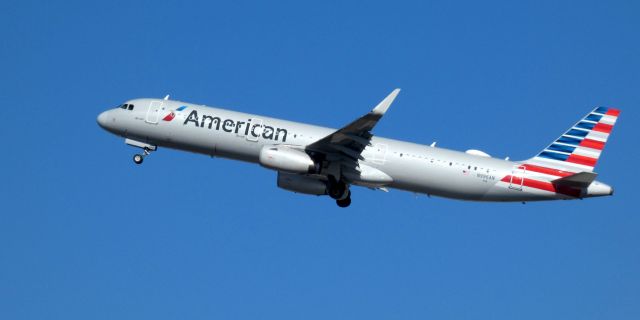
545 170
542 185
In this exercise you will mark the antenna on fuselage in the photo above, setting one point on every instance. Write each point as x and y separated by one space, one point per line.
433 144
166 97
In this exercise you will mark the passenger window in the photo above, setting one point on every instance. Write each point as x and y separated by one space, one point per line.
130 107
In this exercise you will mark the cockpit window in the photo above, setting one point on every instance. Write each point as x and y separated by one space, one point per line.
126 106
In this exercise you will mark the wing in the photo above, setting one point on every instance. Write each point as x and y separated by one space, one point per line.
351 139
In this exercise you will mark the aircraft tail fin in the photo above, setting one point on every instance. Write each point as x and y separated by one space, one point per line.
579 149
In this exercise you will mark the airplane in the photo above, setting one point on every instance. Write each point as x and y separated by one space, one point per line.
317 160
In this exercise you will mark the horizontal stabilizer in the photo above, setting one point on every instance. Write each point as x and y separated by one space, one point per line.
580 179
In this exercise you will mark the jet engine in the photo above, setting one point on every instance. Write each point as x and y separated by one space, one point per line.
286 159
301 183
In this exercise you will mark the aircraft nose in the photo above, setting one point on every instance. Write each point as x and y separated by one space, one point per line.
103 119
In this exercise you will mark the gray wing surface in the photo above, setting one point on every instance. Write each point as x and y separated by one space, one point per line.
351 139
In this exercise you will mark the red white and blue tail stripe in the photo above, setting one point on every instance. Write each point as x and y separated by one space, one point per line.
580 147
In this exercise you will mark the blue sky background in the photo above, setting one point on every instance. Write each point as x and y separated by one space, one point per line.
85 234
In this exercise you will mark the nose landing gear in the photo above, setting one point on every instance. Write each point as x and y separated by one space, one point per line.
138 158
147 148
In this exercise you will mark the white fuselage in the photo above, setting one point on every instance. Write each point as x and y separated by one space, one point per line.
412 167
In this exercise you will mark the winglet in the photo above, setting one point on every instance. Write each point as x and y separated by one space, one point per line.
382 107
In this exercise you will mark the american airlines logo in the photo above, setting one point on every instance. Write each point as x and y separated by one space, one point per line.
172 115
246 128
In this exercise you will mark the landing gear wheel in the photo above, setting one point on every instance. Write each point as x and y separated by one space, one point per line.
336 188
138 158
343 203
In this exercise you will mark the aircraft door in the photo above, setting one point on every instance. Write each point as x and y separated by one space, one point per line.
517 178
153 113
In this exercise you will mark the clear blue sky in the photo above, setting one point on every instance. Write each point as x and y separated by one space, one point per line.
85 234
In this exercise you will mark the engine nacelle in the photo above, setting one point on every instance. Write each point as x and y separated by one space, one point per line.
301 184
286 159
